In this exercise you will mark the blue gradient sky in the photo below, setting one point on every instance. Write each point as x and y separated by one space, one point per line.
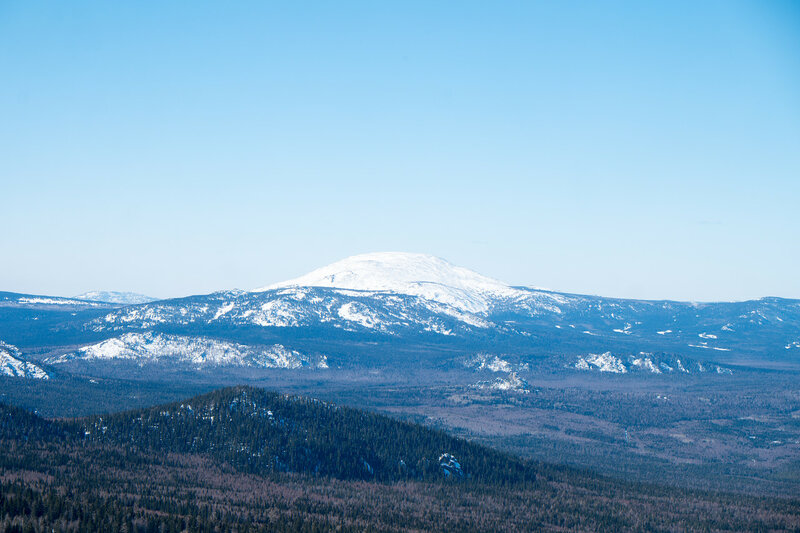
636 149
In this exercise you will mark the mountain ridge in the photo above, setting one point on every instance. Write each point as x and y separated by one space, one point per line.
115 297
416 301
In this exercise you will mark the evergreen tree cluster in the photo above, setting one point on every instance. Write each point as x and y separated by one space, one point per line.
261 432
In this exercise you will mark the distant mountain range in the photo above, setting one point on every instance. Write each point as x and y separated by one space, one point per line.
115 297
396 309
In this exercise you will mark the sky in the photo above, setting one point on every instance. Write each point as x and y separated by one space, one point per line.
629 149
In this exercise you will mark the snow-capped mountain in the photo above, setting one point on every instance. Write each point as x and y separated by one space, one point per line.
426 276
197 351
406 304
115 297
13 364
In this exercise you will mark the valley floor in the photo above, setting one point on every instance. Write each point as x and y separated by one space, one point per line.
739 434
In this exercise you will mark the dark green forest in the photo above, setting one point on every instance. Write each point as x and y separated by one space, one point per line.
243 459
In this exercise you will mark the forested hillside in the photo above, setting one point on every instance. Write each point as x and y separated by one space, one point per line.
262 432
242 459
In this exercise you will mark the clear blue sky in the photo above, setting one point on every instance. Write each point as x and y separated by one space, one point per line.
642 149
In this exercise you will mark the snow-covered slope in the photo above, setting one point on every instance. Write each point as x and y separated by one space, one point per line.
198 351
512 382
646 362
115 297
408 273
35 301
298 307
12 364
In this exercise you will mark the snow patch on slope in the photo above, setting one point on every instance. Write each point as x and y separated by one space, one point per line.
223 310
360 314
49 300
201 351
604 362
645 362
115 297
12 364
511 383
484 361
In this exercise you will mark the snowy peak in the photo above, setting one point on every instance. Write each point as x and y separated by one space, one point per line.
413 274
115 297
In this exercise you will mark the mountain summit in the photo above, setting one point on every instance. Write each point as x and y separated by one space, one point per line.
413 274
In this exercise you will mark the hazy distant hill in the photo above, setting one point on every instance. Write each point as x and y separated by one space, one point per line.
115 297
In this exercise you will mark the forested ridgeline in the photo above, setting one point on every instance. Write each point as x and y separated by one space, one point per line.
263 432
242 459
